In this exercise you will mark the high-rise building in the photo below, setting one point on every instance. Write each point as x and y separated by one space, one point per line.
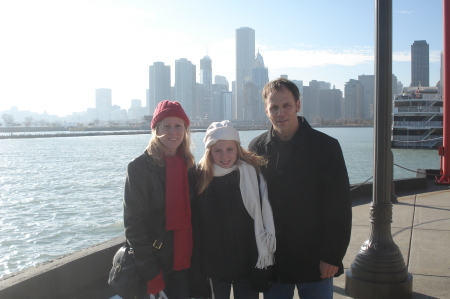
260 76
420 63
368 81
226 105
311 99
221 80
245 61
330 103
199 99
206 81
185 86
159 85
221 99
136 111
147 100
103 103
299 84
353 100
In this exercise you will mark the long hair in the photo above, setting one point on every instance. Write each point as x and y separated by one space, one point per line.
156 148
205 170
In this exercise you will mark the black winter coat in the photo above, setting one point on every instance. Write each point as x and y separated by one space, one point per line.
224 239
144 215
310 196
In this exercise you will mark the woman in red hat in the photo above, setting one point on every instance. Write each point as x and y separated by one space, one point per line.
157 214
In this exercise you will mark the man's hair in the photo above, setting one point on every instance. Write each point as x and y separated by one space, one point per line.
276 85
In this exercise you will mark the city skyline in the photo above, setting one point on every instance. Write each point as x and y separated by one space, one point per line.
54 62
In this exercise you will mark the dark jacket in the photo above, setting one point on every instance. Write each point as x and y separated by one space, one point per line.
310 195
144 216
224 238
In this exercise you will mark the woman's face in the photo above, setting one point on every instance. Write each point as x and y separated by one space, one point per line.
224 153
170 132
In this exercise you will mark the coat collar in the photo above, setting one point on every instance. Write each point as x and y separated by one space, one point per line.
299 136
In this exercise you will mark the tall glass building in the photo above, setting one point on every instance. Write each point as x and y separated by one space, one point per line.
245 61
420 63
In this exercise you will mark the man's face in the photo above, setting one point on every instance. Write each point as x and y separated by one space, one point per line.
281 109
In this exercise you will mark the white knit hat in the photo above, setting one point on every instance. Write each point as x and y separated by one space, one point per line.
220 131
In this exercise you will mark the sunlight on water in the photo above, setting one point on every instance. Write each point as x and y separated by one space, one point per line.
59 195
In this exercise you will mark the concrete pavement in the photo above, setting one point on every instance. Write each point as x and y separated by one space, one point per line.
421 229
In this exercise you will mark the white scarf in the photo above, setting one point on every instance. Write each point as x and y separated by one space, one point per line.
263 218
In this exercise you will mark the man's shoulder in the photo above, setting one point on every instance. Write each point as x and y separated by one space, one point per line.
322 137
258 141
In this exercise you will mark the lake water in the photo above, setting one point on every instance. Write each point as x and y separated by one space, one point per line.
59 195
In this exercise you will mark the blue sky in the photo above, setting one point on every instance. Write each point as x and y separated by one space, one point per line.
55 53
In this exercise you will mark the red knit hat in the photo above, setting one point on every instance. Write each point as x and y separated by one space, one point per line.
168 109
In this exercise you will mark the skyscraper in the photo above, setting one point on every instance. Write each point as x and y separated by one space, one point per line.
354 100
260 76
420 63
103 103
368 81
311 99
159 85
221 80
245 61
330 103
206 81
299 84
185 86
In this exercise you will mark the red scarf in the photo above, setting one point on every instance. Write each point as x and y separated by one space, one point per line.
178 210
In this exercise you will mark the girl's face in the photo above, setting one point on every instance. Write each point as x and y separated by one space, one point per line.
224 153
171 133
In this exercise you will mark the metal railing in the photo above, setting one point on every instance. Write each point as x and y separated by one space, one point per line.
418 124
432 109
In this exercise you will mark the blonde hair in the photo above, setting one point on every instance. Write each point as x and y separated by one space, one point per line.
156 148
205 171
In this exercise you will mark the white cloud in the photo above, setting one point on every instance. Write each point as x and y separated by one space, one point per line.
312 58
401 56
435 56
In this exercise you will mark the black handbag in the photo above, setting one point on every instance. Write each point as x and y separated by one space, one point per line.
124 276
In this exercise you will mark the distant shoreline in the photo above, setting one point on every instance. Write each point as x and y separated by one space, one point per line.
18 133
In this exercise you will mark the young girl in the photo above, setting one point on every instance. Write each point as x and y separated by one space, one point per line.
234 234
157 214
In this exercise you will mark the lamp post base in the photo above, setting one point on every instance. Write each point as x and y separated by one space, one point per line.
443 180
357 288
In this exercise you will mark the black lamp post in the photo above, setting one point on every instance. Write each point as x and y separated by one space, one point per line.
379 270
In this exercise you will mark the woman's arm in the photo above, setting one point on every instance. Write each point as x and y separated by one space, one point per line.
136 219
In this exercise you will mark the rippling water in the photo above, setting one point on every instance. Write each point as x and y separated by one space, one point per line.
59 195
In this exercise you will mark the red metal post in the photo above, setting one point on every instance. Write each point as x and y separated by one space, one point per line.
445 150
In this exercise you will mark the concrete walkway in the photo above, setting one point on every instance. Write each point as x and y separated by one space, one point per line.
421 229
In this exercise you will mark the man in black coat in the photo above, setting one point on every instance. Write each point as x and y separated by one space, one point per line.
310 195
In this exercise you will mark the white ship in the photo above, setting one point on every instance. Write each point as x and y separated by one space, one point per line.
417 118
